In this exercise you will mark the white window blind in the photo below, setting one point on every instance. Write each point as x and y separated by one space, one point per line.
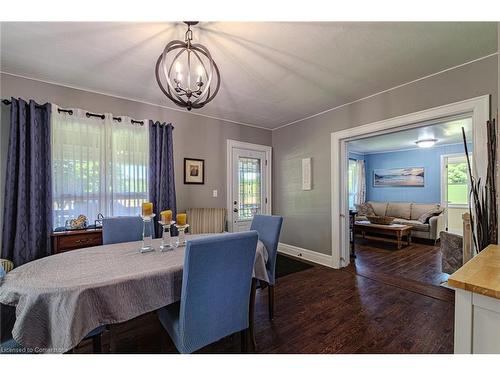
99 165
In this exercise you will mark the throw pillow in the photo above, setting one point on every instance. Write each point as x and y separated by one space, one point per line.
424 218
365 209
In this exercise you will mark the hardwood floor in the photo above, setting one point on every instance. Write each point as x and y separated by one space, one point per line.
320 310
418 262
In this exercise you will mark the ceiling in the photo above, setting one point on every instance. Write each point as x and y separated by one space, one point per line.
272 73
446 133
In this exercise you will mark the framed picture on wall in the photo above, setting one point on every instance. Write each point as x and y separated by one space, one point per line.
194 171
399 177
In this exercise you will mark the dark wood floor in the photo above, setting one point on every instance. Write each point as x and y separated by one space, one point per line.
420 261
321 310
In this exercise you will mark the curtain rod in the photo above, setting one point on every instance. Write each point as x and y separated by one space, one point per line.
88 114
7 102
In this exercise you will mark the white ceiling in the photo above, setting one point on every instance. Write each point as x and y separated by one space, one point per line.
446 133
272 73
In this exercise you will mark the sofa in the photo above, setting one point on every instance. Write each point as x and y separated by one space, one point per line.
408 213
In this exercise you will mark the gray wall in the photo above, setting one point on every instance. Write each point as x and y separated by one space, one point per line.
307 214
194 136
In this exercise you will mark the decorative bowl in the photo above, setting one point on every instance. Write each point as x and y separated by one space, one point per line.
381 220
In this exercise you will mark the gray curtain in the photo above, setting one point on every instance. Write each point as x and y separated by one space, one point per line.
27 219
161 169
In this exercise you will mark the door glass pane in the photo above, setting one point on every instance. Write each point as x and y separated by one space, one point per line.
458 191
250 181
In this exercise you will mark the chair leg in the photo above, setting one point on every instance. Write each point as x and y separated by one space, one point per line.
270 294
244 341
97 344
251 314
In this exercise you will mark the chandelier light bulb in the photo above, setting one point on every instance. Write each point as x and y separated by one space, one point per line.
178 67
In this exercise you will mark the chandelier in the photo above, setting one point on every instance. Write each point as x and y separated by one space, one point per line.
186 72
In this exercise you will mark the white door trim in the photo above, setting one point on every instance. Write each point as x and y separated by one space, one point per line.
478 108
229 174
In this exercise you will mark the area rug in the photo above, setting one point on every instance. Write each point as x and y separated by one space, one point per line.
286 266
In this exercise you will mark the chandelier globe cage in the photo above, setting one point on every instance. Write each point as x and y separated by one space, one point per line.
187 73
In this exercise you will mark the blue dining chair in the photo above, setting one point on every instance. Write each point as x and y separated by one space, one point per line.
215 291
269 229
121 229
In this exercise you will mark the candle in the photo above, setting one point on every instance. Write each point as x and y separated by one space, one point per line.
147 209
181 219
166 216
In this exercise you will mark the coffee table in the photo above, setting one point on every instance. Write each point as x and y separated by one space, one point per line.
397 230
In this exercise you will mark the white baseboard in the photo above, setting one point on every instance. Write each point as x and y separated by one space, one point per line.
311 256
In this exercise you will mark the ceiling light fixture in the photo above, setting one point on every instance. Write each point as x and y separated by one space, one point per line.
426 143
186 72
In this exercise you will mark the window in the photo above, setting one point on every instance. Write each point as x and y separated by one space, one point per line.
356 182
98 166
458 188
250 187
352 178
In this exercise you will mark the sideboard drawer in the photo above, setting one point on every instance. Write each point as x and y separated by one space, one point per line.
76 240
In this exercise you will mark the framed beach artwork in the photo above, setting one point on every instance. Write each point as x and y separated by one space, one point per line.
394 177
194 171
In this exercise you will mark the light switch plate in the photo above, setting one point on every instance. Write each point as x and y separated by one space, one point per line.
214 193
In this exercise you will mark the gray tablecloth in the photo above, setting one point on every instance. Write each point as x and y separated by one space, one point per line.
61 298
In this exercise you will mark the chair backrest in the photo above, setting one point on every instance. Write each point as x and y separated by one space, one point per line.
216 285
121 229
269 229
206 220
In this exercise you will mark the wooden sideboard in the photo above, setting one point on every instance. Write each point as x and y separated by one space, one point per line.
75 239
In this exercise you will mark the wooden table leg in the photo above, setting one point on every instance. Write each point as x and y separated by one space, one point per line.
399 240
251 314
409 238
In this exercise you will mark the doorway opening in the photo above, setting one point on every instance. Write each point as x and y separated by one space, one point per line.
477 109
395 192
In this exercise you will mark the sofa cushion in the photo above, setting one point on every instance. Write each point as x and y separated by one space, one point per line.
417 209
424 218
379 207
416 225
399 210
364 209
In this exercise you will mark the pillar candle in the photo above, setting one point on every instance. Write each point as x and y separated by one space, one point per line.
147 209
181 219
166 216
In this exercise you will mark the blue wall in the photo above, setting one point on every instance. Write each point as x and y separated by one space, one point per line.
429 158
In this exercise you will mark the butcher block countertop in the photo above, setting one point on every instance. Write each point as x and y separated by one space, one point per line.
481 274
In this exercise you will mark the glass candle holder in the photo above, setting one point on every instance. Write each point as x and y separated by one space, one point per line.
147 234
166 237
181 240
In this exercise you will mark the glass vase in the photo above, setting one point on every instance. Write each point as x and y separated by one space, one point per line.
147 234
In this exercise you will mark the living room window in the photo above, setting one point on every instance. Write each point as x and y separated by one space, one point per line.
99 165
356 180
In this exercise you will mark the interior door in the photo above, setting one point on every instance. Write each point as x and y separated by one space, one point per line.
455 188
249 196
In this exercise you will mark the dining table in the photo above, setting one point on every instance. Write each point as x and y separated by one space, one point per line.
60 298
